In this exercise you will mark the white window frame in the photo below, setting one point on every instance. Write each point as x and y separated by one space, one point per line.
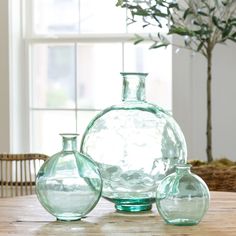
18 114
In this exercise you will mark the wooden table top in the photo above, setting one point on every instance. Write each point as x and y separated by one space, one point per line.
25 216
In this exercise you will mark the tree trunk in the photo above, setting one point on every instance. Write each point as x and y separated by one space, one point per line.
209 119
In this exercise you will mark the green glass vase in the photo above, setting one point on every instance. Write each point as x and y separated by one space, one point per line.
135 145
69 184
182 198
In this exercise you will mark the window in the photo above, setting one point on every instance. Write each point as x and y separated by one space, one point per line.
75 51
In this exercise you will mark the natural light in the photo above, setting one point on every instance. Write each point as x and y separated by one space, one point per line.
75 63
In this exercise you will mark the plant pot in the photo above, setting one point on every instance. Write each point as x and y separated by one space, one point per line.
218 176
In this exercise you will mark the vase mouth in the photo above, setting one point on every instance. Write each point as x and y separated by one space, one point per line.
183 166
69 135
134 73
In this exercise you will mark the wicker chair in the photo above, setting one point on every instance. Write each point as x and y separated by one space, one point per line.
18 173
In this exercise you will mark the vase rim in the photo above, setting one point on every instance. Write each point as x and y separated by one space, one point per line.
183 166
69 135
133 73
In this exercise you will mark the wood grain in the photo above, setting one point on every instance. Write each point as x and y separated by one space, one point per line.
25 216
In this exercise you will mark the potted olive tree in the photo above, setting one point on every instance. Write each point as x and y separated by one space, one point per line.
202 24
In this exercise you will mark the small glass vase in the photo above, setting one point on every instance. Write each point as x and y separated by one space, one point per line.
69 184
135 144
182 198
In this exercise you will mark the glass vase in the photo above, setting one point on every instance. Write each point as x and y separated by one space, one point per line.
135 144
182 197
69 184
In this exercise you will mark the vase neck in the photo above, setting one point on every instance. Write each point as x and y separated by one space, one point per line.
69 142
183 168
133 86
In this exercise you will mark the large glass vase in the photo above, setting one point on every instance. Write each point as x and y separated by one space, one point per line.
135 144
69 184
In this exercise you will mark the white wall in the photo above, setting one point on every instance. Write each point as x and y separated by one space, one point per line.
189 101
4 79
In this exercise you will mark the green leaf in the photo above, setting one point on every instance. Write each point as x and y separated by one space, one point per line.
162 38
138 39
225 2
119 3
156 45
200 46
232 20
158 21
153 45
180 31
196 23
130 21
187 12
174 5
216 22
145 25
141 12
212 9
202 13
227 31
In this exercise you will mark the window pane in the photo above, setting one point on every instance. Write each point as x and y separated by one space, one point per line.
83 119
55 16
99 81
53 82
157 63
77 16
46 127
102 16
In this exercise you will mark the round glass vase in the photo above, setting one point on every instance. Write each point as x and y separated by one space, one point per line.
69 185
182 198
135 145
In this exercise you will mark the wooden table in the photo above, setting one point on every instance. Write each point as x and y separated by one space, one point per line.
25 216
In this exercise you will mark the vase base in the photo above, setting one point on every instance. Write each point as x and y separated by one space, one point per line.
182 222
133 205
133 208
68 218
